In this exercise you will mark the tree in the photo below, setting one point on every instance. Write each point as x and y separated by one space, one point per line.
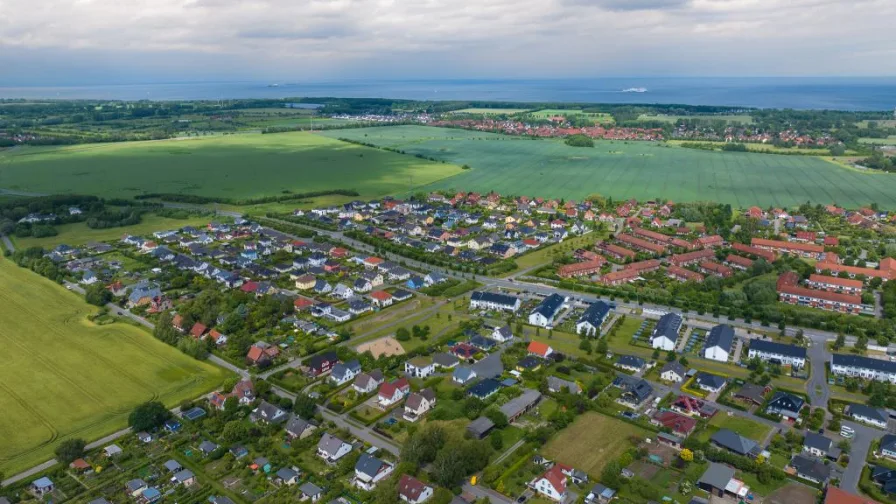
687 455
402 334
602 346
585 346
69 450
304 406
497 417
97 294
148 416
497 440
234 431
164 329
862 343
840 341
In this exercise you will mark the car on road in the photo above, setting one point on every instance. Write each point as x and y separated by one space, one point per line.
522 498
847 432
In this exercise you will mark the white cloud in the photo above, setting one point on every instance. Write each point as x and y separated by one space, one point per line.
381 38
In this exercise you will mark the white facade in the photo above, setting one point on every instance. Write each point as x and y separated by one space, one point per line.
671 376
862 371
663 343
546 488
716 353
797 362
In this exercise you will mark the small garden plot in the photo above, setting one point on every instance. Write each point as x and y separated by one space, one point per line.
743 426
695 341
592 441
369 412
290 379
345 400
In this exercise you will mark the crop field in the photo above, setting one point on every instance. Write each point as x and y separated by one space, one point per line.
642 170
79 234
61 376
233 166
597 117
891 140
490 111
592 441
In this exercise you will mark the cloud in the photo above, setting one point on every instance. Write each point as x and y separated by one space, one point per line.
182 40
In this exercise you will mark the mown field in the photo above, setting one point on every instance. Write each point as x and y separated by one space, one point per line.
592 441
643 170
61 376
233 166
742 118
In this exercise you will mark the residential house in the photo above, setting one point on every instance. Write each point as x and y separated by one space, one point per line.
286 476
184 477
322 363
817 445
888 446
463 375
418 404
543 315
502 334
694 407
480 300
753 393
331 448
777 353
786 405
366 383
484 389
631 363
558 384
267 413
600 494
342 373
665 334
299 428
673 372
412 490
710 382
444 360
310 491
679 424
551 484
393 392
718 343
867 414
369 471
733 442
863 367
810 469
718 480
381 298
593 319
419 367
42 486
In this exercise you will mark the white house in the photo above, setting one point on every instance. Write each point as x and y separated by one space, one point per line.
551 484
868 415
345 372
491 301
369 471
543 314
718 343
863 367
888 446
673 372
419 367
777 353
665 334
418 404
331 448
593 319
502 334
412 490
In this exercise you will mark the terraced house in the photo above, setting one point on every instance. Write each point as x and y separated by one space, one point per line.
863 367
778 353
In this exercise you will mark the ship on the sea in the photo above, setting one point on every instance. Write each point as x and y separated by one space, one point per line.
635 90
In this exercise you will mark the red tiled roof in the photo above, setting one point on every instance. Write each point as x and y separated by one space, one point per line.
840 282
381 295
777 244
539 348
410 487
198 330
834 495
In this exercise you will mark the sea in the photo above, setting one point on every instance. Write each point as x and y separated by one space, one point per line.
803 93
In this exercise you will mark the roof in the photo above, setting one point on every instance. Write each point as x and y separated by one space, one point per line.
329 444
675 367
557 384
516 405
710 380
184 475
734 442
369 465
832 280
668 326
549 306
778 348
721 336
810 467
753 392
817 441
484 388
310 489
717 475
491 297
463 373
556 478
786 401
42 482
539 348
835 495
858 361
675 421
868 412
481 426
630 361
595 314
410 487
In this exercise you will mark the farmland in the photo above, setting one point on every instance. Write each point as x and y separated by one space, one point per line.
490 111
62 376
592 441
232 166
642 170
597 117
742 119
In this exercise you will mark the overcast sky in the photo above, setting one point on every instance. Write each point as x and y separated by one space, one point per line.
57 42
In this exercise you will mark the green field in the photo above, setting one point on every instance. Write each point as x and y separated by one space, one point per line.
489 111
597 117
879 141
79 234
642 170
742 118
743 426
61 376
234 166
591 442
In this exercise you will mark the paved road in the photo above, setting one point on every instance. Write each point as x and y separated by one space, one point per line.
817 387
858 452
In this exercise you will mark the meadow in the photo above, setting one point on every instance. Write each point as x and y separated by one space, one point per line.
232 166
63 376
591 442
79 234
490 111
740 118
642 170
597 117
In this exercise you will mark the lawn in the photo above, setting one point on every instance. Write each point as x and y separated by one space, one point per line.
743 426
63 377
880 141
739 118
592 441
233 166
490 111
642 170
597 117
79 234
543 255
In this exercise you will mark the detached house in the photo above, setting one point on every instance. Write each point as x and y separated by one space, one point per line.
418 404
412 490
268 413
778 353
393 392
665 334
322 363
366 383
369 471
419 367
345 372
551 484
786 405
331 448
299 428
718 343
593 319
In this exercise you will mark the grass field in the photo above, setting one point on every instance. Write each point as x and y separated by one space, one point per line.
743 426
235 166
643 170
880 141
742 118
489 111
591 442
597 117
79 233
61 376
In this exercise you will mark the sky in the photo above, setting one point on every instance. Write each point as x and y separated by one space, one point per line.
74 42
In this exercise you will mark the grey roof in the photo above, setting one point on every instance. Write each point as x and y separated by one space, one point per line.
668 325
630 361
444 359
717 475
135 484
710 380
858 361
513 407
778 348
783 401
173 465
595 314
329 444
297 425
310 489
675 367
184 475
491 297
810 467
463 373
888 442
755 393
481 426
549 306
557 384
208 446
735 442
489 367
369 465
868 412
287 473
721 336
817 441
